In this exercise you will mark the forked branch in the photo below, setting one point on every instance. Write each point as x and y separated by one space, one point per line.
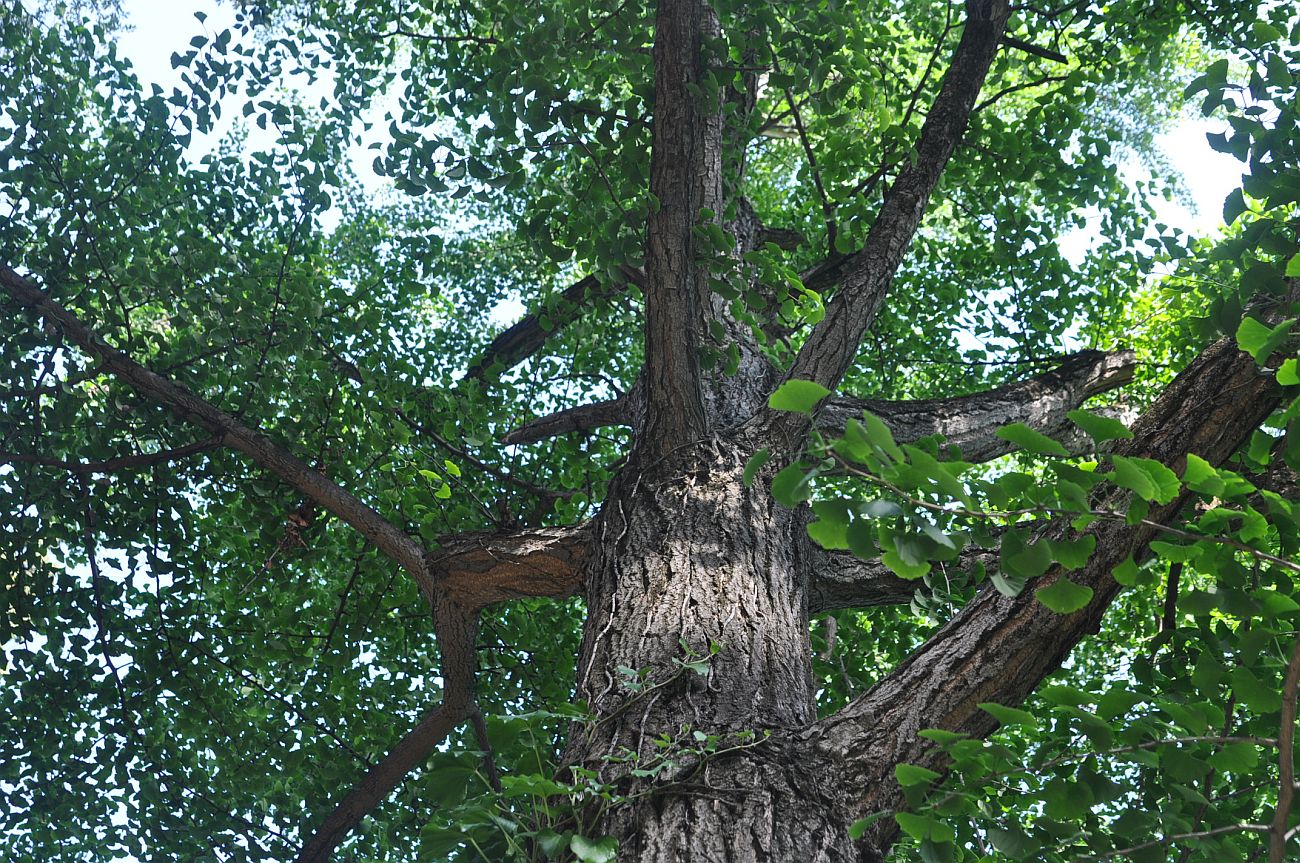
833 343
456 627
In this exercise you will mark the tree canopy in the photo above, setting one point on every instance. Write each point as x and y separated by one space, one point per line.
259 411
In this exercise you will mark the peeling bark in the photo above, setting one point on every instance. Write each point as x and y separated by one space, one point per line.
480 569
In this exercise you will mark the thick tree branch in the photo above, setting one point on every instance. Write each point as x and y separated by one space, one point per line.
833 343
998 648
1279 830
614 412
456 626
970 421
686 179
526 337
471 571
479 569
1035 50
840 579
231 432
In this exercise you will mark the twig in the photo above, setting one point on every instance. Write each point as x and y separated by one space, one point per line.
1030 48
1169 620
1178 837
126 462
1278 832
828 210
1014 514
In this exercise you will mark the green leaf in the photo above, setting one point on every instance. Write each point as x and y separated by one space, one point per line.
857 828
1126 573
1148 478
797 396
1236 757
1260 340
916 826
1007 585
1074 553
1012 842
593 850
909 571
753 464
1200 475
1274 603
912 774
531 784
1031 441
1116 702
551 843
829 534
792 486
1100 428
1025 561
1293 266
1064 596
879 434
1233 206
1288 374
1009 715
1257 696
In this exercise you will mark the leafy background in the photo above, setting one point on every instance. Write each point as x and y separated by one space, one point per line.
196 658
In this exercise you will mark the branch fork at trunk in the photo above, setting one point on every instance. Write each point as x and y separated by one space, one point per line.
969 421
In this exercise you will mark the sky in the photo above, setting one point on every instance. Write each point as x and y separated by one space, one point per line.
159 27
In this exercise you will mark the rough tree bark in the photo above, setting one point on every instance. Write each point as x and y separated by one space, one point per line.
704 584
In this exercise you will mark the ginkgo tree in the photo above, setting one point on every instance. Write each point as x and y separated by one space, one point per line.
818 507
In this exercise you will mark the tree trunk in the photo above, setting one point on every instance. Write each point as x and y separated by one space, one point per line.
697 625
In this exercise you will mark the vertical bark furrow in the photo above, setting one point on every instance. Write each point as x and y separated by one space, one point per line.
690 560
